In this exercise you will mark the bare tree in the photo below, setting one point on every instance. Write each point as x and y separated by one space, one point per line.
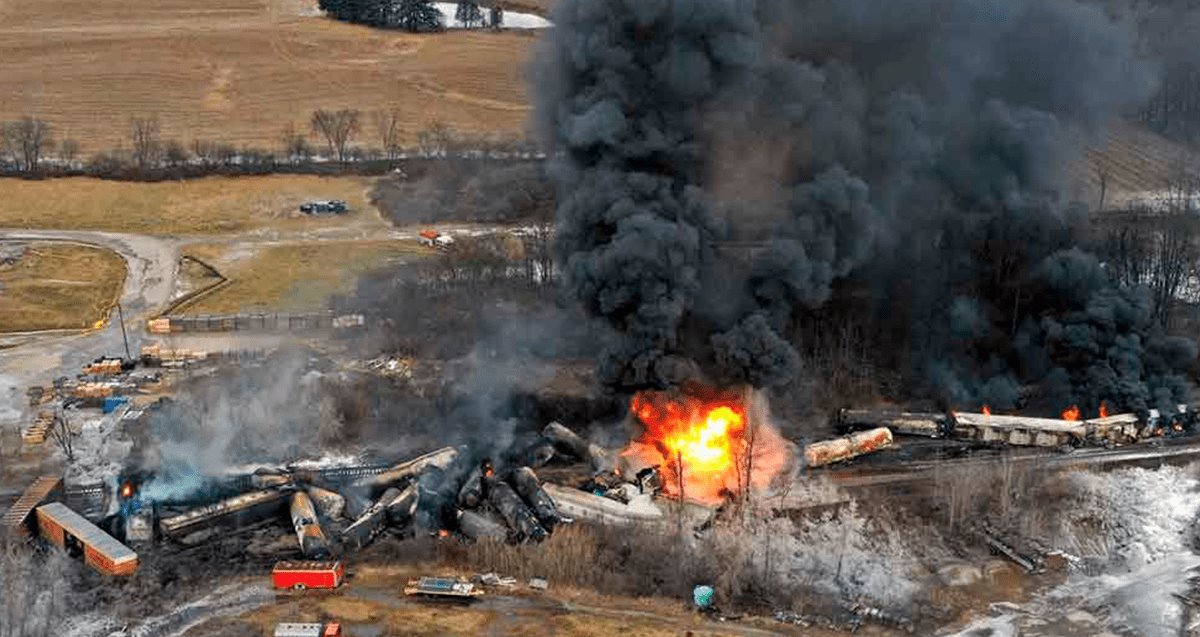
1102 175
469 14
387 124
33 591
338 128
175 154
63 436
25 140
295 145
205 151
68 150
144 138
436 139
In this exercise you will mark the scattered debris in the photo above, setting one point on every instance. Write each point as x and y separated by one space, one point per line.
492 579
1007 551
539 583
442 587
863 612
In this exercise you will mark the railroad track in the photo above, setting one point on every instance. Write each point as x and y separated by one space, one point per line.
1168 451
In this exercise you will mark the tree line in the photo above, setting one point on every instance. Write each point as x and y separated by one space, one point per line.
417 16
332 140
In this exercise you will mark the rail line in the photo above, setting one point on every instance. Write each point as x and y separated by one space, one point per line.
1164 452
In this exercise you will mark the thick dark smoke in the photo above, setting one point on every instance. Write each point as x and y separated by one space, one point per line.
727 169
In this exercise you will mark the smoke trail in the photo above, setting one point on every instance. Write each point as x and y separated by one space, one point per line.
911 150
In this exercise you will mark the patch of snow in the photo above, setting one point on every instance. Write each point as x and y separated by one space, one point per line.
1002 626
1145 517
512 19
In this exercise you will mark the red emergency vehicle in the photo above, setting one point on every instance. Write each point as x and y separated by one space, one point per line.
303 575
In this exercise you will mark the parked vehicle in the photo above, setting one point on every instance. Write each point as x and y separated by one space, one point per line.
300 575
293 629
333 207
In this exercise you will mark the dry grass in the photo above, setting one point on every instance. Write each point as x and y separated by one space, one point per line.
236 71
211 205
59 286
290 277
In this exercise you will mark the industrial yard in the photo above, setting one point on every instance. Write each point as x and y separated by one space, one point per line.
391 318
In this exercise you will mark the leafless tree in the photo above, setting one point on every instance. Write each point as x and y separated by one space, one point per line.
436 139
25 140
33 591
175 154
205 151
68 150
338 128
144 138
63 436
1102 175
295 144
387 124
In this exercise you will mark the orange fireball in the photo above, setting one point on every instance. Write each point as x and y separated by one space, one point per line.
987 411
706 442
1103 409
1071 413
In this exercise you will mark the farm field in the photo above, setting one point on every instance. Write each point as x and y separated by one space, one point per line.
52 285
201 206
1135 161
290 277
239 72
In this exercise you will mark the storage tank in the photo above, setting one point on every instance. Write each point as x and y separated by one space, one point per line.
313 542
826 452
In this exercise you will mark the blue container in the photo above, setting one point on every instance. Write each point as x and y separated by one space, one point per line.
112 402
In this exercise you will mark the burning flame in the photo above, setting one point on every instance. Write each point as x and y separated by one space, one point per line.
126 490
706 440
443 533
1071 413
987 411
1103 409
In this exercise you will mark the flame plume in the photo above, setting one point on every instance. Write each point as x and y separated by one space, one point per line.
707 443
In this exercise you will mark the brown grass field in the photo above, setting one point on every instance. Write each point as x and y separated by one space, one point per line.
210 205
59 286
238 71
290 277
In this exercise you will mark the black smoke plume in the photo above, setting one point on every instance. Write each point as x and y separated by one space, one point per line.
728 169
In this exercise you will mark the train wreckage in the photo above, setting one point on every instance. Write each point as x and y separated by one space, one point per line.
449 492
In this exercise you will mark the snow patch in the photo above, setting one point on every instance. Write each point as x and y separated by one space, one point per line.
512 19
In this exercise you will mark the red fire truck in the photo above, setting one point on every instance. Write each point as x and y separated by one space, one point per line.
303 575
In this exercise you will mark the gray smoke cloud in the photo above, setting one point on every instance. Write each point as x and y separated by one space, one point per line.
264 413
913 150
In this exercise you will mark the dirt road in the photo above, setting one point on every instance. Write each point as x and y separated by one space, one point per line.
37 358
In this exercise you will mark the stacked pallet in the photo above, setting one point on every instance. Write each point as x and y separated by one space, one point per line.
16 519
37 433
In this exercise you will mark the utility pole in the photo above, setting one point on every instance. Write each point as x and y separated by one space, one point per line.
124 336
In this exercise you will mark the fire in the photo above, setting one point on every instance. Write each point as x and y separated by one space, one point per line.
126 490
706 438
443 533
987 411
1103 409
1071 413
